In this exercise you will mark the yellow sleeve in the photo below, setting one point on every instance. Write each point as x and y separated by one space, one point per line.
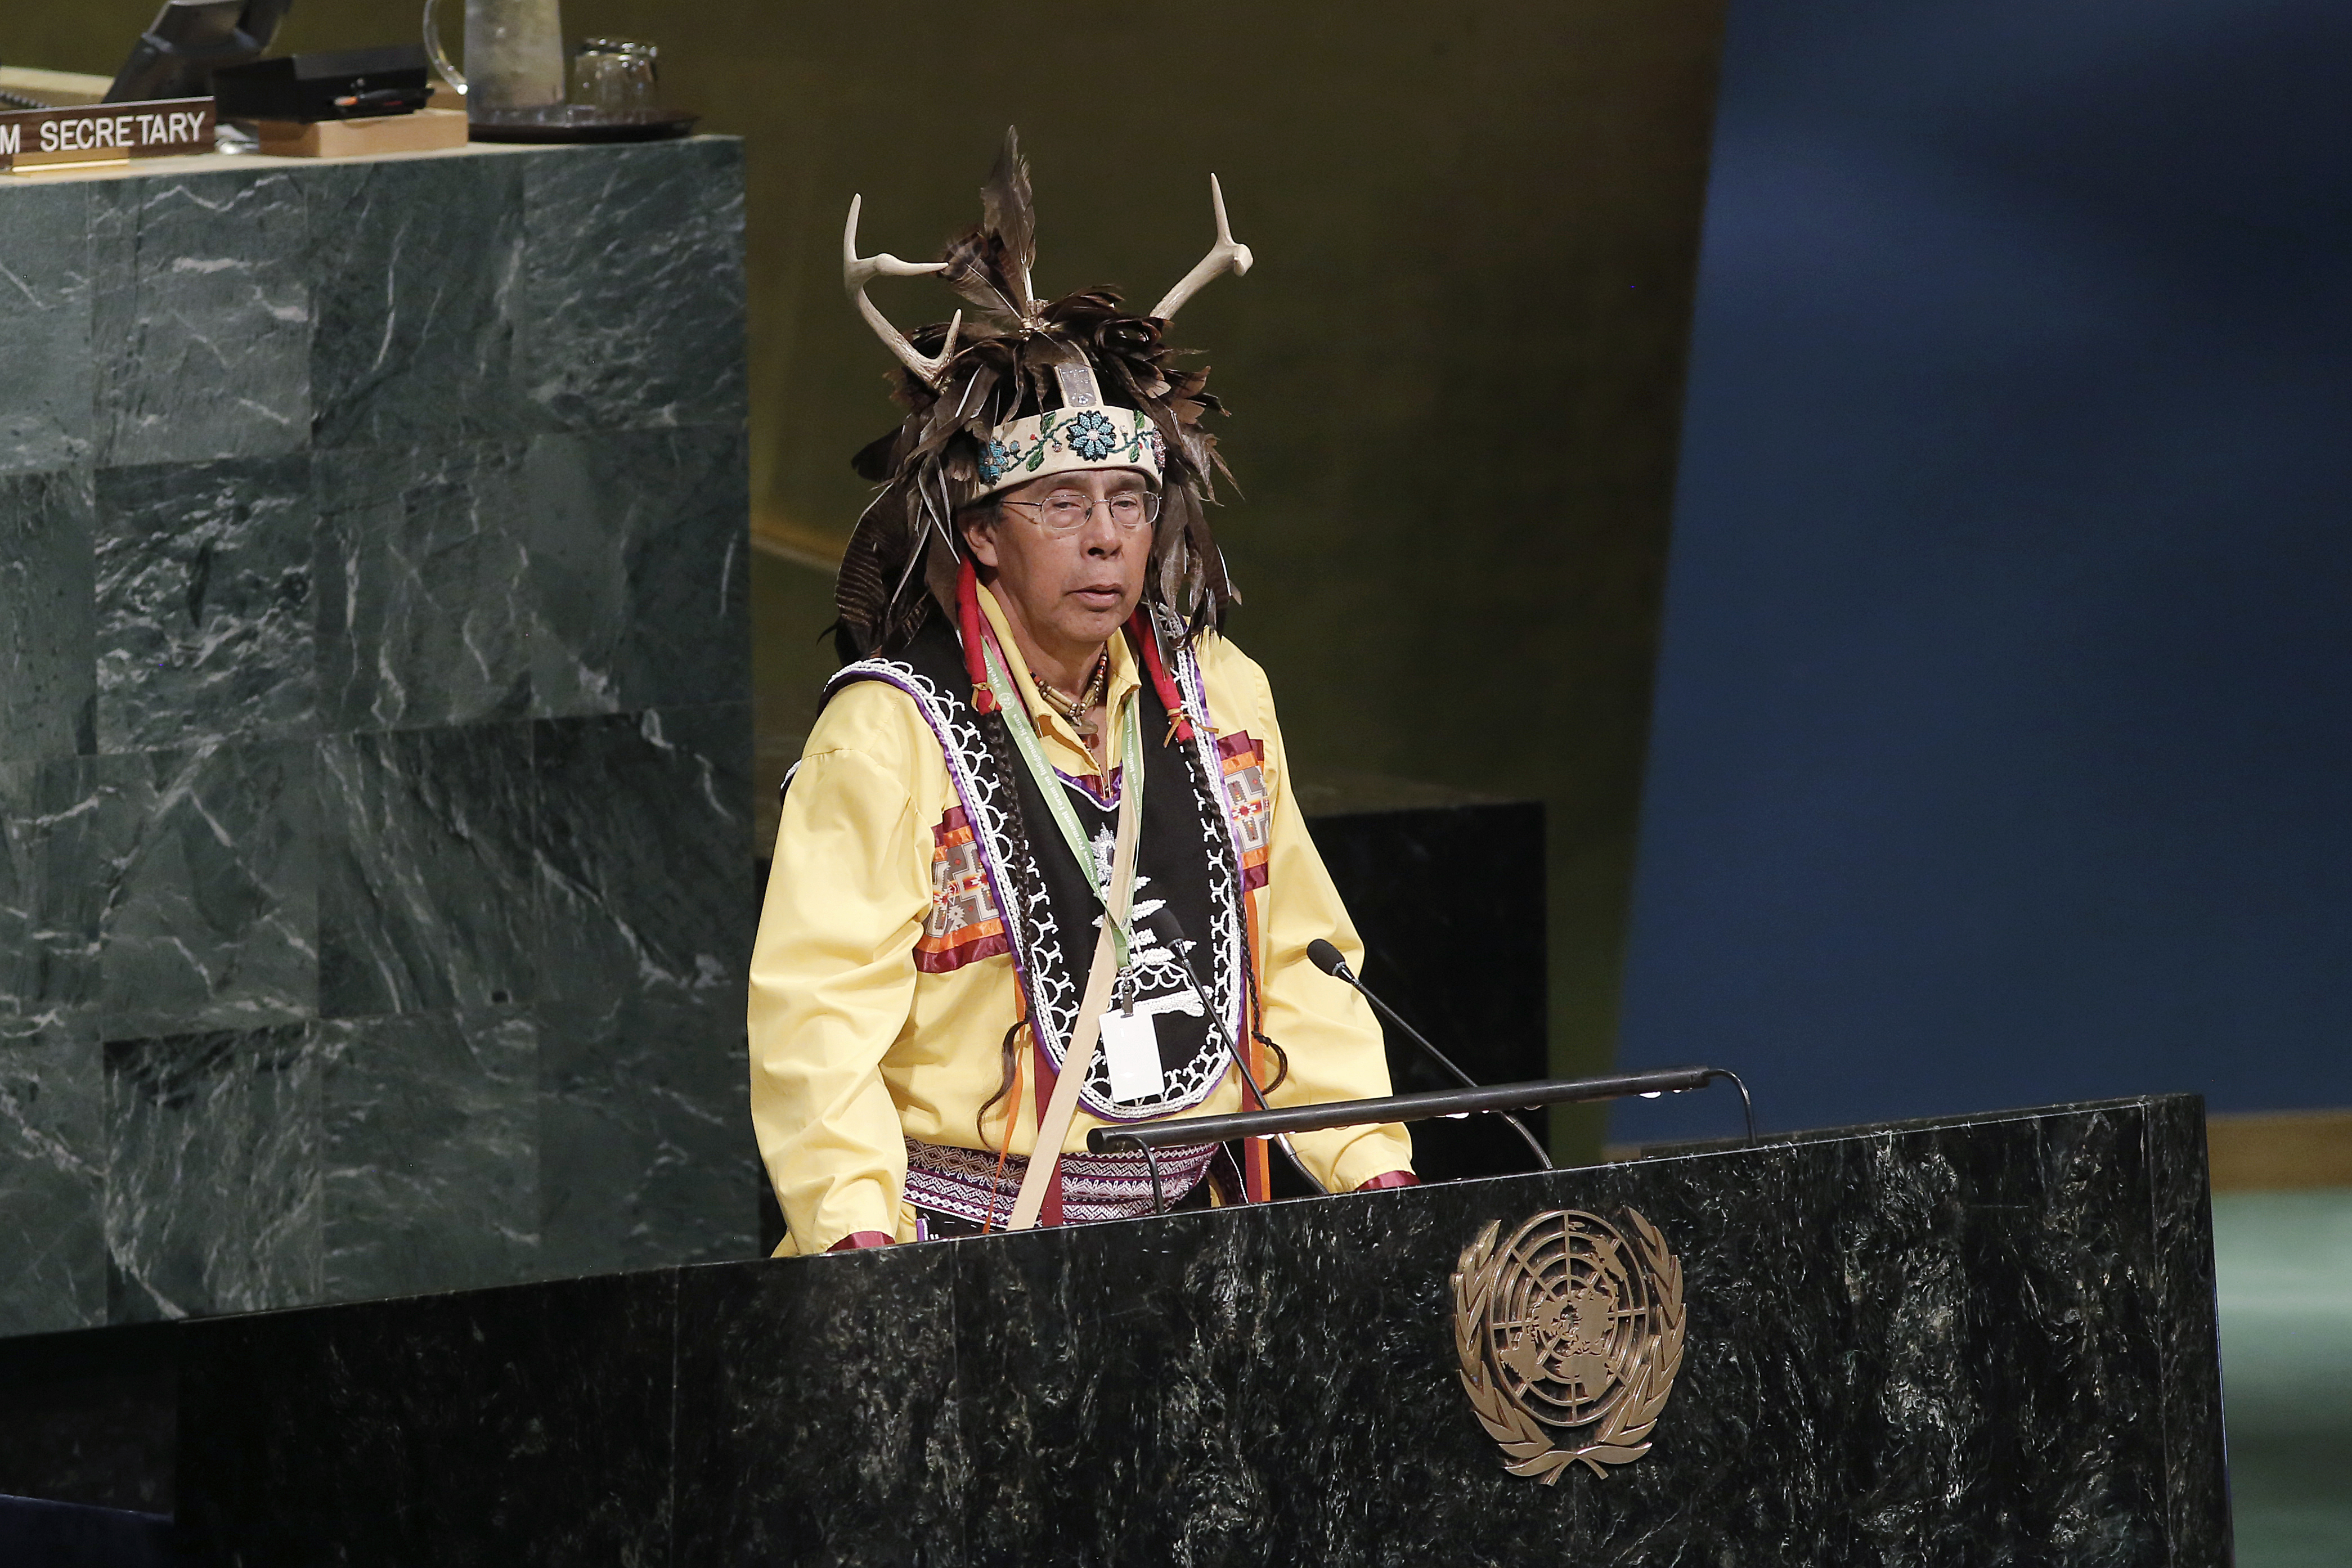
1328 1031
833 972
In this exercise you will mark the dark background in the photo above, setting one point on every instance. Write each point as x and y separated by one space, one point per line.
2001 739
2004 719
1455 370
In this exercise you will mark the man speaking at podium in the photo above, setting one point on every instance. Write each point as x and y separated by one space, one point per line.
1039 864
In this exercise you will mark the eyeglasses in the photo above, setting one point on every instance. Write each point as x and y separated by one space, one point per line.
1064 512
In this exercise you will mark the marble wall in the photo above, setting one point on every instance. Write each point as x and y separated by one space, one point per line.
374 727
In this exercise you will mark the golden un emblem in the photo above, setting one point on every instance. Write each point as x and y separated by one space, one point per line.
1569 1336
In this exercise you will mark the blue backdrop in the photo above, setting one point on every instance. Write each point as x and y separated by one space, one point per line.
2004 717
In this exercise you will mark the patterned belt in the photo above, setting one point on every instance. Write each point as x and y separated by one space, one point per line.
965 1183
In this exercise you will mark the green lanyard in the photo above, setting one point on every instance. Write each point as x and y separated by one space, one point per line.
1049 784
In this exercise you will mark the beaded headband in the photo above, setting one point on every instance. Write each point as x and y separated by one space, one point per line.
1085 433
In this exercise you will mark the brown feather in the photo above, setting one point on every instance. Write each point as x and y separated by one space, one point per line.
1008 211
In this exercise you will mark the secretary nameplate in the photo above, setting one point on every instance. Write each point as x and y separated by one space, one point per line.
102 130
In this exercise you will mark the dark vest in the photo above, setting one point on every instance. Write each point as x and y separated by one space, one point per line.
1185 972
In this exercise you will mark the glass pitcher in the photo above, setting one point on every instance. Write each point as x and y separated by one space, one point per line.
514 56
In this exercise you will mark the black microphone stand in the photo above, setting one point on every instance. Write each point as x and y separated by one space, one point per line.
1327 958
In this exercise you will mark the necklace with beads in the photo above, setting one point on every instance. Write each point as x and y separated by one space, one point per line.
1090 695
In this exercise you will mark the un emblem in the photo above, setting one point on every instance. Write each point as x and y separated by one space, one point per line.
1569 1336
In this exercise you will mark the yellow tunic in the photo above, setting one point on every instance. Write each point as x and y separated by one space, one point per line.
854 1048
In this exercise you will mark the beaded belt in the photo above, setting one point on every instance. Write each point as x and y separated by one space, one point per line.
966 1184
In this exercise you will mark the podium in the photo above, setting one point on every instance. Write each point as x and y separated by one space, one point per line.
1981 1340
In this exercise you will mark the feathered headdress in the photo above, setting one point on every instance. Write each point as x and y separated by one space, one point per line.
1020 389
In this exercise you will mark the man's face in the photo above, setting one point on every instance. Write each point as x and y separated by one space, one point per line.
1069 588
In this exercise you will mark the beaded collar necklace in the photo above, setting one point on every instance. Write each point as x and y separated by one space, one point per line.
1076 708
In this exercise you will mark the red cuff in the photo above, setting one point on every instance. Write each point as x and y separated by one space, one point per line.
857 1240
1386 1179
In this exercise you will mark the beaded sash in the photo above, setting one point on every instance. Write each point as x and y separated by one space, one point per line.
966 1184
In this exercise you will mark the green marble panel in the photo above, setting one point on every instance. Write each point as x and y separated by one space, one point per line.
213 1172
428 891
639 571
206 887
430 1152
47 647
52 1175
414 267
45 395
421 555
205 612
633 285
200 316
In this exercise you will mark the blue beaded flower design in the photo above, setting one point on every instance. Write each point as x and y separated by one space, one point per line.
1091 436
996 460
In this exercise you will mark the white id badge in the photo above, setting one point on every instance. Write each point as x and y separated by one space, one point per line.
1130 1044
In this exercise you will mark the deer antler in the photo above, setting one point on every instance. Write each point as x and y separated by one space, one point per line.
857 271
1222 255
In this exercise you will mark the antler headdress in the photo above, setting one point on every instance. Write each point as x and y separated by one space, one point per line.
1020 391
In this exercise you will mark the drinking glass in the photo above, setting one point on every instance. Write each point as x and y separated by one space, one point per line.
614 76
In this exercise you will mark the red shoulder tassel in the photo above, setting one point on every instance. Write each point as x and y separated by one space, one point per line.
976 651
1180 719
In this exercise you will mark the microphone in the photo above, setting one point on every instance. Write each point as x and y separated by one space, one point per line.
1327 958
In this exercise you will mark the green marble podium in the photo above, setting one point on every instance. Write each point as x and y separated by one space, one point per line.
1981 1340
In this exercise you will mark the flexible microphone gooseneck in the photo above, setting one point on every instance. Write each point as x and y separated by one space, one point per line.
1327 958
